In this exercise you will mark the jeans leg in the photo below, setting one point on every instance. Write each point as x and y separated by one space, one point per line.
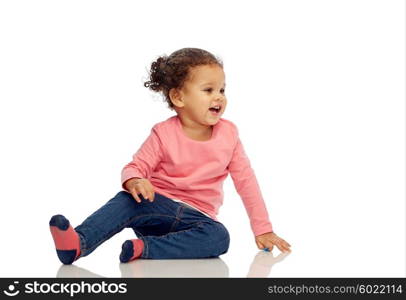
123 211
195 236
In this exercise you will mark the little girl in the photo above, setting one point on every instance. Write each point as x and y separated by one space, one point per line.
172 188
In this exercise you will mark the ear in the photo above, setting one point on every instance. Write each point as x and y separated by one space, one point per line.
176 97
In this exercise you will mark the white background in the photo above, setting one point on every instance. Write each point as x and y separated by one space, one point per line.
316 88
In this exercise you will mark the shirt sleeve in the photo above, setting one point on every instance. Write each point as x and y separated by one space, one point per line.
247 187
144 160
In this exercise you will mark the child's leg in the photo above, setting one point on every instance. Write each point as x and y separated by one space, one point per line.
193 236
118 213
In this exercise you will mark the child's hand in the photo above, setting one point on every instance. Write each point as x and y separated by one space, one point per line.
269 239
140 186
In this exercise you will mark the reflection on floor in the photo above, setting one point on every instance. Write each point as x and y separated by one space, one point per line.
212 267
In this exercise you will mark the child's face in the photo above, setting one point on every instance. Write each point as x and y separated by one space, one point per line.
204 89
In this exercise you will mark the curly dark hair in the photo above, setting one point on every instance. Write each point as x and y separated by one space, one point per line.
172 71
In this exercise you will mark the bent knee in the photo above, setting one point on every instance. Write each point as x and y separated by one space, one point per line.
219 238
225 241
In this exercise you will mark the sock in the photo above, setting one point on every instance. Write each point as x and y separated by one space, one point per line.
66 239
131 250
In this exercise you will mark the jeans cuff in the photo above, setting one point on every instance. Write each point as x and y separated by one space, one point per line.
146 249
82 244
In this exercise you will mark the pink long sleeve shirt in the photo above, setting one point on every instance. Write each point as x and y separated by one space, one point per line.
193 172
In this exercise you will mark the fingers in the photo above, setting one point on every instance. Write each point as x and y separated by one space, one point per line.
283 246
262 246
151 193
133 192
286 244
259 245
150 196
146 193
143 191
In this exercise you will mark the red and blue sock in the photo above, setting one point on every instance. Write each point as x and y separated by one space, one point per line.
66 239
131 250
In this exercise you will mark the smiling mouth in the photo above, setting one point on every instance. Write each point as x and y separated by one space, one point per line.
216 110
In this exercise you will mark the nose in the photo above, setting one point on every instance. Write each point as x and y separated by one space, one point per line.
220 97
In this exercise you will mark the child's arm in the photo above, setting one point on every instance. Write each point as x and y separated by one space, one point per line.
144 160
247 187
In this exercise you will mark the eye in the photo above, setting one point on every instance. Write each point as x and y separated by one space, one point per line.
210 89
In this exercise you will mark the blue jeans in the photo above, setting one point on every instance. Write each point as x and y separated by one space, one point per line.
168 229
